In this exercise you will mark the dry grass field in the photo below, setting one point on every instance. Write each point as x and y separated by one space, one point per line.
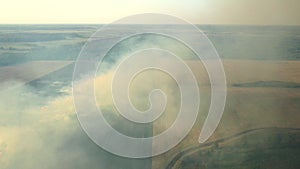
260 94
26 72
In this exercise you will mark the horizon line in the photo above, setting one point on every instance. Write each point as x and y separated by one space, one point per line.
230 24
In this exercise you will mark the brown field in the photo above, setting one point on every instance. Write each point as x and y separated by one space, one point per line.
29 71
247 107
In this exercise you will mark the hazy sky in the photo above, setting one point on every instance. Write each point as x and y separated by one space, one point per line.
278 12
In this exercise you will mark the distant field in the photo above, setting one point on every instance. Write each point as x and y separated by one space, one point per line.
247 71
29 71
21 43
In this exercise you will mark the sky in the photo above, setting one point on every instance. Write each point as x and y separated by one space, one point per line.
250 12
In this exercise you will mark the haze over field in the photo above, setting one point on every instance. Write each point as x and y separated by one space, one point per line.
258 42
38 124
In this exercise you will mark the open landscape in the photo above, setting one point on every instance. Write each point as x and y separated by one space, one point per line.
259 128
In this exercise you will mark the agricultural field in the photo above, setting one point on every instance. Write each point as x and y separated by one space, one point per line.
259 127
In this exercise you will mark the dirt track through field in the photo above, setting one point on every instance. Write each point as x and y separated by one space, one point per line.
182 154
